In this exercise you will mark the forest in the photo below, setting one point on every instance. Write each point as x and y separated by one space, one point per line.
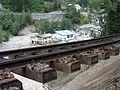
16 14
30 5
11 23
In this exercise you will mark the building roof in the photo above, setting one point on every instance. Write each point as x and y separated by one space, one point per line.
64 32
45 35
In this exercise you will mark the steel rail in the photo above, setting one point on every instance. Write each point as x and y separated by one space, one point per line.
52 55
40 48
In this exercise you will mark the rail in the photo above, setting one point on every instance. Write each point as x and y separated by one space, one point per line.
50 52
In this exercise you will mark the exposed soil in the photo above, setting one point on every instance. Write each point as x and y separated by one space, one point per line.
104 75
28 30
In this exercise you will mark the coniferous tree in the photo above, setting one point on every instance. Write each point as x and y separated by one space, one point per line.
111 24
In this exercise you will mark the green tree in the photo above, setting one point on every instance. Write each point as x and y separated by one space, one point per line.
6 35
66 24
45 26
95 5
7 25
11 23
110 7
30 5
1 34
5 4
55 26
19 5
37 6
56 5
114 21
15 28
111 13
73 15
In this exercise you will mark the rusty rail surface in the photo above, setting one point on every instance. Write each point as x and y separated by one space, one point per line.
21 57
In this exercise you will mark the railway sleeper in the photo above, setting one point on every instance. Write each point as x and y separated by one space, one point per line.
87 58
8 82
103 54
41 74
114 50
67 66
117 45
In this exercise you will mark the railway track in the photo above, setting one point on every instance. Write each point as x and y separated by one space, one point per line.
41 63
21 57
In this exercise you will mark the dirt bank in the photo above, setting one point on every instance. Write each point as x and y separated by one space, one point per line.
98 77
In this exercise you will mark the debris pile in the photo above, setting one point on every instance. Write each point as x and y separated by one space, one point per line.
5 74
40 72
66 60
67 64
88 58
37 66
102 53
11 88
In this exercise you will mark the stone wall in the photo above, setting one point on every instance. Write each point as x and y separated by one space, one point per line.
53 16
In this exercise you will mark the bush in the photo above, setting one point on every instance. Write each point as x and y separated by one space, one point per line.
11 23
1 34
75 20
6 36
66 24
73 15
45 26
30 5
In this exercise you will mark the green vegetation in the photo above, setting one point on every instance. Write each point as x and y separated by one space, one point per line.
1 35
11 23
113 20
111 25
83 3
73 15
84 20
45 26
30 5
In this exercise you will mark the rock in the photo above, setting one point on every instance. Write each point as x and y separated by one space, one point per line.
13 88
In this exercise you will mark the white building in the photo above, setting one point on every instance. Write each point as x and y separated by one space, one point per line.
65 35
89 29
77 6
61 36
42 39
